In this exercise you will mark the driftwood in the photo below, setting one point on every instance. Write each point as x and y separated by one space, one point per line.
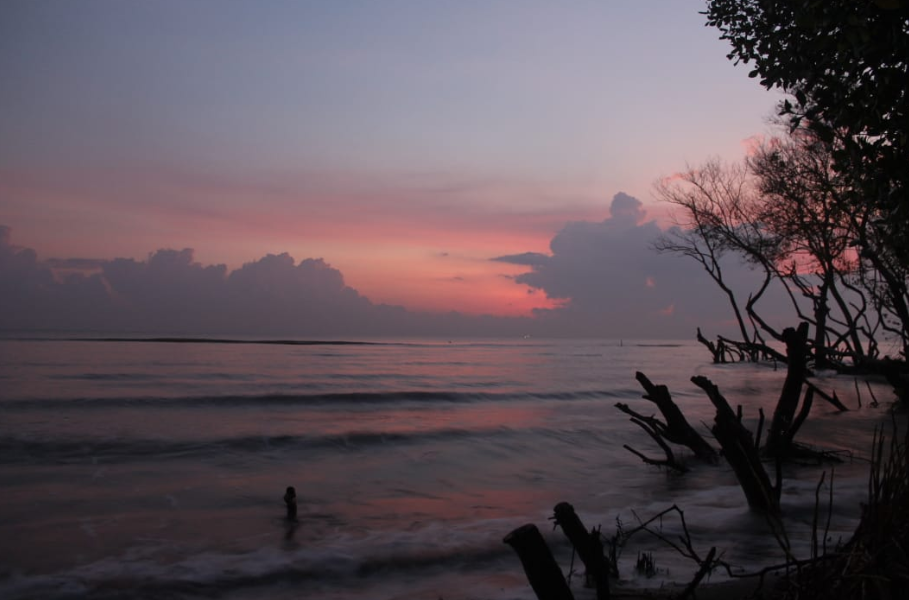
726 350
676 429
715 352
895 372
705 568
837 404
740 451
588 546
543 573
652 426
755 350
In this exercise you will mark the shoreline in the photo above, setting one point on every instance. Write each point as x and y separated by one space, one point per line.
730 589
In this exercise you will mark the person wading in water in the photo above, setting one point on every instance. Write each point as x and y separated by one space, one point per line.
290 499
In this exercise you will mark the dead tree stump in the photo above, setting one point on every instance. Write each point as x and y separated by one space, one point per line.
588 546
676 429
779 436
543 573
740 451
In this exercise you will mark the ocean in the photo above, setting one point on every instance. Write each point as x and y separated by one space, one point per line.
156 469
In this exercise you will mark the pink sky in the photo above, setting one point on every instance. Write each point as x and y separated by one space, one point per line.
405 150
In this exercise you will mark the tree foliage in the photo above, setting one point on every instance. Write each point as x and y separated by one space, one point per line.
787 212
844 64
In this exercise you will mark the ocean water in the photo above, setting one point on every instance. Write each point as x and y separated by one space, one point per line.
157 469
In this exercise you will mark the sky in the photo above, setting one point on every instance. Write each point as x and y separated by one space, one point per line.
357 167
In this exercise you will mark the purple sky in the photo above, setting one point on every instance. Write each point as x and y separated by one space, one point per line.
407 155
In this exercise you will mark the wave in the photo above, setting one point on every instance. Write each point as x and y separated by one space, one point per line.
338 399
106 377
127 377
118 450
305 570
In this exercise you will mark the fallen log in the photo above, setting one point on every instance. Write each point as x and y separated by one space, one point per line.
752 351
543 573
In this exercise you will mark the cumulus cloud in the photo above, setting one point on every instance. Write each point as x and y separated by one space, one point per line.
84 265
604 276
612 283
171 293
626 210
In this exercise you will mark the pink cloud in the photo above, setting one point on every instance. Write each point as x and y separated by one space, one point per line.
385 233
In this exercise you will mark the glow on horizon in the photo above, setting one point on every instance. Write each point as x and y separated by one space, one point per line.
435 284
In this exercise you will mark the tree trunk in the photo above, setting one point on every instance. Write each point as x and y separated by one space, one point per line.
778 435
820 334
542 571
588 547
710 346
677 429
741 453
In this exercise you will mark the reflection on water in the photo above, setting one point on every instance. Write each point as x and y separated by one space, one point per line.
161 467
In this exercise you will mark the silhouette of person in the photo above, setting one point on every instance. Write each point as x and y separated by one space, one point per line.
290 499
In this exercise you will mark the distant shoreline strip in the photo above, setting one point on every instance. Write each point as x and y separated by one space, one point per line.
274 342
196 340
